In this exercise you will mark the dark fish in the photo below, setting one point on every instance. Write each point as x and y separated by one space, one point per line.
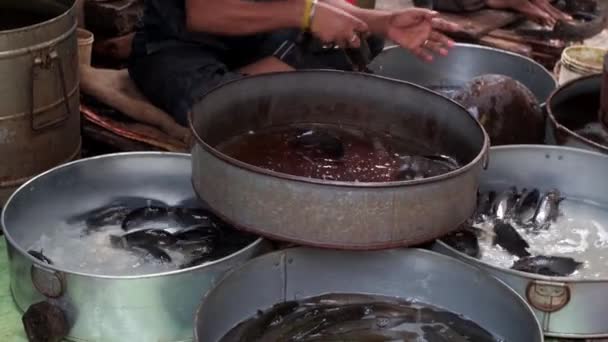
503 204
525 207
198 260
548 209
140 217
40 256
188 217
253 329
111 214
437 333
320 142
198 234
146 251
367 336
417 167
552 266
465 241
509 239
484 205
143 237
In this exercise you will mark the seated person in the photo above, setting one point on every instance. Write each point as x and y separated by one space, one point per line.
187 47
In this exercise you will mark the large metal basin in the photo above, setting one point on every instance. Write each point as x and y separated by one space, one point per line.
585 93
565 308
465 62
157 307
409 274
39 99
336 214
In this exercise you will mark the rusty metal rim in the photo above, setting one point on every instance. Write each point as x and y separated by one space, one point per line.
481 157
41 24
15 182
530 276
559 127
59 168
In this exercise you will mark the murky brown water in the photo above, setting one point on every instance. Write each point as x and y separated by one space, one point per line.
333 153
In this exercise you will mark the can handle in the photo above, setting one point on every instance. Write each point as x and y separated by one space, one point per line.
548 296
486 153
55 62
45 322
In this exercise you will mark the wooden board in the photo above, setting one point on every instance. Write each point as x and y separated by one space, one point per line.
477 24
507 45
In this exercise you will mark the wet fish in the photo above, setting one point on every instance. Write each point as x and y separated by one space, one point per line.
198 234
465 241
418 167
40 256
526 205
253 329
320 142
464 327
548 209
143 237
140 217
509 239
150 251
503 204
188 217
552 266
484 206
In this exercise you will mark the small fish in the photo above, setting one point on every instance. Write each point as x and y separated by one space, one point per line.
143 237
196 261
188 217
503 204
509 239
198 234
469 329
552 266
321 142
525 208
140 217
548 209
151 251
40 256
484 206
465 241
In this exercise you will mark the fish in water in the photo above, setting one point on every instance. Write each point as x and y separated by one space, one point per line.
40 256
503 204
508 238
418 167
338 317
188 217
319 142
484 206
465 241
552 266
140 217
548 209
526 206
143 237
152 252
198 234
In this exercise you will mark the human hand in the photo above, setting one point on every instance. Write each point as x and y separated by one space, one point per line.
333 25
540 11
420 31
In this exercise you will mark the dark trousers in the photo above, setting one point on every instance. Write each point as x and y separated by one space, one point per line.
175 77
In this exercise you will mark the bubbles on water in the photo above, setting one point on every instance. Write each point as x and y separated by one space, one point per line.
577 233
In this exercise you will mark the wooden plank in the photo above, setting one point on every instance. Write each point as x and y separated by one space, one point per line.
522 49
549 46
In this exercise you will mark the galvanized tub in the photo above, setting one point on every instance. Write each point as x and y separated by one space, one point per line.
344 215
156 307
565 308
39 98
410 274
560 108
464 62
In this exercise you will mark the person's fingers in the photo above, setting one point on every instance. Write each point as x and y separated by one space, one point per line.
354 41
536 14
444 25
422 54
436 47
441 38
552 11
361 27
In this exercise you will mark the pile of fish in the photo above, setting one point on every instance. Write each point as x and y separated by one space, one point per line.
498 215
151 228
356 318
